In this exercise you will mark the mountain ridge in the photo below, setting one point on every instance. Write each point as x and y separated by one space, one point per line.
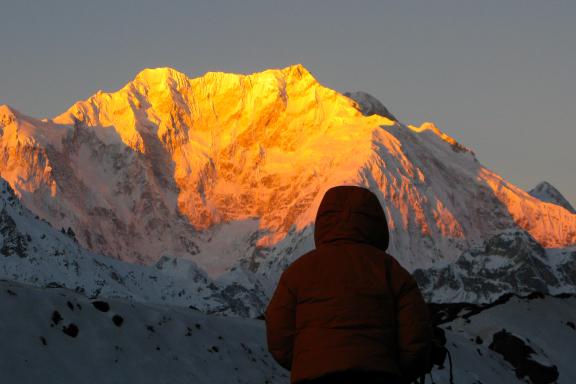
228 170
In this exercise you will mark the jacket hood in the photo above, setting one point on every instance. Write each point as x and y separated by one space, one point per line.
351 213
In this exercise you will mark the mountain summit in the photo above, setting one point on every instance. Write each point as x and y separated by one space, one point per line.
228 170
548 193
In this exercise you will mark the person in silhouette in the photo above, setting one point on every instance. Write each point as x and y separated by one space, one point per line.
347 312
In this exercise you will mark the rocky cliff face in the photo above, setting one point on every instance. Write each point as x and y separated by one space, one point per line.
228 171
508 262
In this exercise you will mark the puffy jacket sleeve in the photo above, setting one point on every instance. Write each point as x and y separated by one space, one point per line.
281 323
414 326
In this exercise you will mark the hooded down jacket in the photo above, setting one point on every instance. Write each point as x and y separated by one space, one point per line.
347 305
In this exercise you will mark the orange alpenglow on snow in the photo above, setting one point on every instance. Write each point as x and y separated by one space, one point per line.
168 162
258 133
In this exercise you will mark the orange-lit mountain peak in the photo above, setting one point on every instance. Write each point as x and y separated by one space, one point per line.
153 74
160 78
169 78
19 128
277 106
8 115
225 148
5 109
244 141
298 72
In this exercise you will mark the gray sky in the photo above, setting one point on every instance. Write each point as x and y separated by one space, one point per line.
498 75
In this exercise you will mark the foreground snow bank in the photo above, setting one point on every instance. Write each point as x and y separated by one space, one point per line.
54 335
59 336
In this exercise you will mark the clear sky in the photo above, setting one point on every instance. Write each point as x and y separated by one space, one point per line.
498 75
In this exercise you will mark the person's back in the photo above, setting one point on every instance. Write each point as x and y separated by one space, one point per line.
347 311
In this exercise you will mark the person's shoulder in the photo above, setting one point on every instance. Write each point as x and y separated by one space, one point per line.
301 262
298 266
393 260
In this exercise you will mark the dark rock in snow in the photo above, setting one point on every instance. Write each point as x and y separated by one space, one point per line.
54 285
102 306
13 242
71 330
515 351
56 318
117 320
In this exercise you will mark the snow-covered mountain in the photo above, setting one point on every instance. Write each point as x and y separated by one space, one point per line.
228 171
35 253
507 262
548 193
69 338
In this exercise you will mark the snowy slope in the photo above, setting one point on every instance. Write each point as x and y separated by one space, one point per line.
146 343
548 193
545 324
59 336
33 252
228 170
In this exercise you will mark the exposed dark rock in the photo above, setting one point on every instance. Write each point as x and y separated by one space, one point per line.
117 320
102 306
13 242
515 351
519 269
536 295
71 330
54 285
70 233
56 318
